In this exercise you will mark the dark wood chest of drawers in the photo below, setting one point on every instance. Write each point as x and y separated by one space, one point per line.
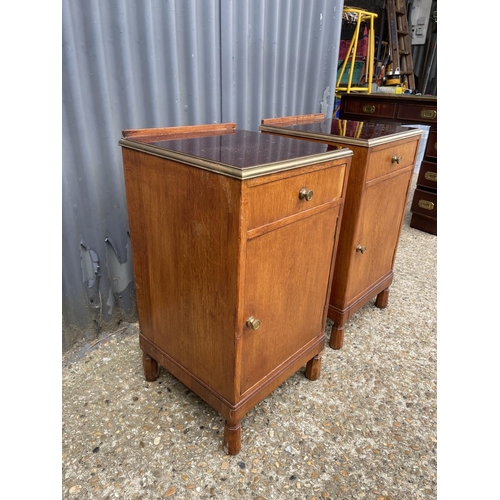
234 235
405 109
377 193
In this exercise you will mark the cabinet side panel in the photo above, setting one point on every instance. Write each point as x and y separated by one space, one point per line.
184 226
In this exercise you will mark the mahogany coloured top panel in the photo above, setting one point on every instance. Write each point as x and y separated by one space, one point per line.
242 149
350 129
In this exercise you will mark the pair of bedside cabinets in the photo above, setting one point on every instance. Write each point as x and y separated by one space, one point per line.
240 244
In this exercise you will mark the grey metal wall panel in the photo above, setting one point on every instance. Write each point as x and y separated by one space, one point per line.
279 57
151 63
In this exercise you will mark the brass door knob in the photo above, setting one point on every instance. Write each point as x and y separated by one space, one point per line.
361 249
304 194
397 159
253 323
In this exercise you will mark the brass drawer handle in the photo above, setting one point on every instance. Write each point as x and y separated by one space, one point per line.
430 114
368 108
396 159
360 249
431 176
426 205
304 194
253 323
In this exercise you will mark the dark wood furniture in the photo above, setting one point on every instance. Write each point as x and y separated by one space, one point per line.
375 203
233 238
405 109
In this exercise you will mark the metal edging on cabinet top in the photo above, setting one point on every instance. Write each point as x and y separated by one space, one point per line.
229 170
377 141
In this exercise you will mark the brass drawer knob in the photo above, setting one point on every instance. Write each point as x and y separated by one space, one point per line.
253 323
304 194
368 108
431 176
360 249
396 159
426 205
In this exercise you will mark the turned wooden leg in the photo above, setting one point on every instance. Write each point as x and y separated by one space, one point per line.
337 336
232 437
382 299
150 367
313 368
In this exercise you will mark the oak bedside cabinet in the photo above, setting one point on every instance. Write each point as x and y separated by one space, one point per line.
375 203
233 237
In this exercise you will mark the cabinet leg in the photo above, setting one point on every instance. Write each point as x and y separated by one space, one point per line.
150 367
337 336
232 437
382 299
313 368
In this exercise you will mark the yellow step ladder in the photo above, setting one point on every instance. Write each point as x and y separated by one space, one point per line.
361 15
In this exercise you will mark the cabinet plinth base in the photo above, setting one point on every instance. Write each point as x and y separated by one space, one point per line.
153 357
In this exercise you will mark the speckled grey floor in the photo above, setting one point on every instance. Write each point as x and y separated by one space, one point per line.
365 429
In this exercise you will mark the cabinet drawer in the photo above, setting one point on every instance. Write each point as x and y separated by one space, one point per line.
370 107
427 175
431 147
424 203
417 113
390 159
275 200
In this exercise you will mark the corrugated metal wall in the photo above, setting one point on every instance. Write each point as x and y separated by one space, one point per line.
151 63
425 58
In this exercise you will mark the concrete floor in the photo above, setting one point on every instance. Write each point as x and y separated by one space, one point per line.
365 429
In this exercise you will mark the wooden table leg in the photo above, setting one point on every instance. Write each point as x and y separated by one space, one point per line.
337 336
232 437
150 367
313 368
382 299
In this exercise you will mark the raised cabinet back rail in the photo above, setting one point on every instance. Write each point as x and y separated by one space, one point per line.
405 109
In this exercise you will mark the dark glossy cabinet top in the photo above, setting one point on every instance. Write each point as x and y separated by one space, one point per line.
346 131
238 153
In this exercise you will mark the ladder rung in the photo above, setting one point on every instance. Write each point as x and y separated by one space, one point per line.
400 45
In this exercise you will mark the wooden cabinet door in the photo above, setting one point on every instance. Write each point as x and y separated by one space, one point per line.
380 219
286 284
